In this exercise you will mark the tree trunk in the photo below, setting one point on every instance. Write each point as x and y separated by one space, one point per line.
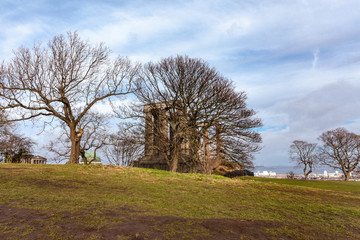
208 164
75 137
193 166
347 176
174 163
345 172
219 145
305 174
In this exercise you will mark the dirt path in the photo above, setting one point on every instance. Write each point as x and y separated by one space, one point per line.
17 223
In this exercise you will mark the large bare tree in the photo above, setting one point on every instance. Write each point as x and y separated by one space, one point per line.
202 109
340 150
305 155
63 80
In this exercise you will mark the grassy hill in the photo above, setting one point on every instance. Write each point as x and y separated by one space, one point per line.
104 202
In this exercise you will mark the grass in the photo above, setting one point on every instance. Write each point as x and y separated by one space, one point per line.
340 186
70 200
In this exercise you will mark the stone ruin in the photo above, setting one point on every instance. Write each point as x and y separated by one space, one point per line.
157 138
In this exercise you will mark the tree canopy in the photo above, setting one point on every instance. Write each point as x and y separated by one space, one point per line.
203 111
340 150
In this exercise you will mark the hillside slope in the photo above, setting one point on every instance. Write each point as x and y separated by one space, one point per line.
104 202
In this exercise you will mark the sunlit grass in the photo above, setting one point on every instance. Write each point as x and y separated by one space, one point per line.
341 186
304 209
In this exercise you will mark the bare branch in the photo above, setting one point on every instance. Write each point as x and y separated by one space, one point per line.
305 155
193 100
65 80
340 150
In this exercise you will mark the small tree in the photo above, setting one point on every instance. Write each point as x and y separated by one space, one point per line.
290 175
340 150
94 137
13 145
124 147
63 81
304 154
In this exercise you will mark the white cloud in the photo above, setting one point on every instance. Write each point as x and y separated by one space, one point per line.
297 60
305 118
16 35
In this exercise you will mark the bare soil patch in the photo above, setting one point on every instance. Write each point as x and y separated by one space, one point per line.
17 223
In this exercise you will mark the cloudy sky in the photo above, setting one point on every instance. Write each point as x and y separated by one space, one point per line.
298 60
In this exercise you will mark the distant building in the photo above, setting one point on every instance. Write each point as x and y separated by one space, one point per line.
265 174
31 159
272 174
91 159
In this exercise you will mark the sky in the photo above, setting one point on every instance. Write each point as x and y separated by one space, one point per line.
298 61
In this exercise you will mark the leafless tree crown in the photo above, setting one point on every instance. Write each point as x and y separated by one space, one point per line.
340 150
305 155
63 80
202 108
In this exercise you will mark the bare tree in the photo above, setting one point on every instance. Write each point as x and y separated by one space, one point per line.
202 109
124 147
63 81
290 175
340 150
305 155
240 152
12 144
94 137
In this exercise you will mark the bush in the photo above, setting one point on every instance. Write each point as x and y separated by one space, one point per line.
239 173
290 175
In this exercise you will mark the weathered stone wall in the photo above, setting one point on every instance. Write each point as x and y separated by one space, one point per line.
157 138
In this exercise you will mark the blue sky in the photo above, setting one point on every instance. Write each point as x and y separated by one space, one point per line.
298 61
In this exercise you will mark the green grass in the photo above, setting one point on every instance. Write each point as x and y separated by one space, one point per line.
340 186
104 197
